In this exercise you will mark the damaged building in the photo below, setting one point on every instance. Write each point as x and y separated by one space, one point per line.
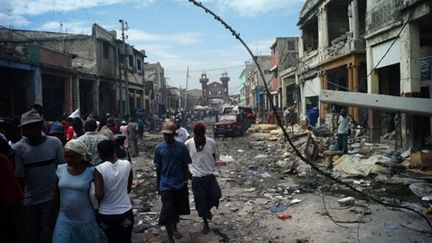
332 51
98 81
364 48
33 74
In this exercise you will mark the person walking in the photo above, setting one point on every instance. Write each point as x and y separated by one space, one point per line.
124 131
113 182
171 159
132 130
36 160
76 221
206 190
91 139
344 122
182 133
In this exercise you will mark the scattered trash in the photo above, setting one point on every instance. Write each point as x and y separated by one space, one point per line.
220 163
261 156
135 183
278 208
265 175
347 201
421 189
390 226
245 210
295 201
348 166
261 201
226 158
284 217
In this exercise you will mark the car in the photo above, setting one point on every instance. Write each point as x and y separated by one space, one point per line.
230 125
246 111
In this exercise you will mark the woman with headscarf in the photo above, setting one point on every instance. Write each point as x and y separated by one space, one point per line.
206 191
76 221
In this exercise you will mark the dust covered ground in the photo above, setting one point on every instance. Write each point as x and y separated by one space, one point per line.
271 196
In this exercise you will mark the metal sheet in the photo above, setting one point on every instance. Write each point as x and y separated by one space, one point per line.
418 106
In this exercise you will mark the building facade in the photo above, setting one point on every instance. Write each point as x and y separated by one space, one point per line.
399 50
31 74
214 92
99 71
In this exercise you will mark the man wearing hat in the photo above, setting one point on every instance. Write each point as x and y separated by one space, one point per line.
36 160
172 159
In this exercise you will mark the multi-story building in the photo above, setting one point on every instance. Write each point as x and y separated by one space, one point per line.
214 92
257 94
155 74
399 50
284 55
194 98
332 52
244 86
32 74
97 84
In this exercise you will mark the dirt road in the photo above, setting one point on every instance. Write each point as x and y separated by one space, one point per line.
265 200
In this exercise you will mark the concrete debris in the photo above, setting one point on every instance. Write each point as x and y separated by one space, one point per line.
262 178
421 189
226 158
261 156
295 201
346 201
348 166
245 210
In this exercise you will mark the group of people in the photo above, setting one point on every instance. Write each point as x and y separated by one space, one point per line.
60 189
176 162
47 186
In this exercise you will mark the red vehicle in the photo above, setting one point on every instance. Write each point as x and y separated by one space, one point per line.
230 125
245 111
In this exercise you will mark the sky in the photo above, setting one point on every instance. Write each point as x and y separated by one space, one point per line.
175 33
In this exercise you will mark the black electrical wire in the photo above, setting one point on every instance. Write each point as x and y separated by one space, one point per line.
278 119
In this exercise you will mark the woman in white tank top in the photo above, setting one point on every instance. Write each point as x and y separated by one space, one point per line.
113 182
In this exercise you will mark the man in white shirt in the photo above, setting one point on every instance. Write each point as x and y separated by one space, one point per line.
181 133
344 122
206 191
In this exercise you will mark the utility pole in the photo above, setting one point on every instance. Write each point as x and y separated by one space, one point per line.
125 68
186 93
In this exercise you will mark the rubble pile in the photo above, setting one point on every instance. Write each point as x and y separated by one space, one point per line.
265 185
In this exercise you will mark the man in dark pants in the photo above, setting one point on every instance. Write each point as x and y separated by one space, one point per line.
36 162
207 193
344 122
171 159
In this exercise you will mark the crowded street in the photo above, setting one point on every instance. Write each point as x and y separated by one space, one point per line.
259 121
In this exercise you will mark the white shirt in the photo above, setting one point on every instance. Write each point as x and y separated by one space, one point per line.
182 135
344 123
115 178
203 162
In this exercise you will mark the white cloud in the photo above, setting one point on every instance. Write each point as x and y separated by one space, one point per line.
37 7
70 27
14 20
182 38
255 7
